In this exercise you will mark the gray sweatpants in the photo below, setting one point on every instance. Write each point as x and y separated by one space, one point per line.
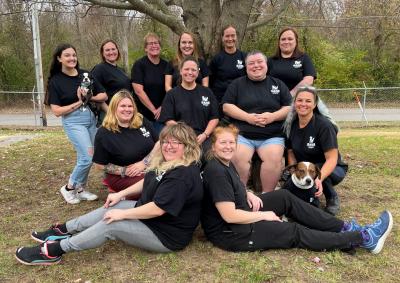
90 231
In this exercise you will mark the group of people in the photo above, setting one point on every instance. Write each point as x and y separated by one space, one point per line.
152 146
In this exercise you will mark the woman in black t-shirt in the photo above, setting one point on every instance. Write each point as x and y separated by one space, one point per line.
112 77
163 220
191 103
237 220
227 65
258 104
123 144
312 136
187 46
148 80
64 95
289 63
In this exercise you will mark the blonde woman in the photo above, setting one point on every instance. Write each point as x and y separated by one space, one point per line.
163 220
123 144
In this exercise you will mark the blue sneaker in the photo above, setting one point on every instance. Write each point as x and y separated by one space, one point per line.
37 255
52 234
375 234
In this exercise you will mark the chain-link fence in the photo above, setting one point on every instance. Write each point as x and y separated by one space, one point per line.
346 104
22 108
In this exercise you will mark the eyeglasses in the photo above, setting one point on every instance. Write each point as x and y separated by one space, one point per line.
172 143
153 43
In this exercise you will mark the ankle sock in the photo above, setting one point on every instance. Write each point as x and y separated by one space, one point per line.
346 226
365 236
62 228
54 249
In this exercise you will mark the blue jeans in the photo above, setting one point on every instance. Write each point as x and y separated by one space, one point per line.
80 128
256 144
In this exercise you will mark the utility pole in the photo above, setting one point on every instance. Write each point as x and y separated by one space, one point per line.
38 62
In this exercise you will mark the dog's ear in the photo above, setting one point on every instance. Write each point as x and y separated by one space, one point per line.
291 168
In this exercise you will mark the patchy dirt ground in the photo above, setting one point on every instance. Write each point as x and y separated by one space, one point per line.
7 140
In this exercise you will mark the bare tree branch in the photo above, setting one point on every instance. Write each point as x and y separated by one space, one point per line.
174 3
159 13
265 21
111 4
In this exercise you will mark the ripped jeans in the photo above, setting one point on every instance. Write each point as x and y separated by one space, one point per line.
80 127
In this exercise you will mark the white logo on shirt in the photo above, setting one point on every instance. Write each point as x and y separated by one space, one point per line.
239 64
311 143
145 132
275 89
297 64
204 101
159 176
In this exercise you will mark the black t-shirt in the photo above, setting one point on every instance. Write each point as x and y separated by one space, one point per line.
224 68
62 88
174 71
151 77
268 95
291 70
222 184
112 78
195 107
126 147
310 142
179 193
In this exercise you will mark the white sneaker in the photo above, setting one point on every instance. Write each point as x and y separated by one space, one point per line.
69 196
85 195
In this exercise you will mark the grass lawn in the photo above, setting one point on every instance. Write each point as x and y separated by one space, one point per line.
32 171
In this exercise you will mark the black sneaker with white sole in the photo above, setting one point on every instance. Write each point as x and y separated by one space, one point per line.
37 255
52 234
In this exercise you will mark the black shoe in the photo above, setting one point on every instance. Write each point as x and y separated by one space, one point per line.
333 205
53 234
37 255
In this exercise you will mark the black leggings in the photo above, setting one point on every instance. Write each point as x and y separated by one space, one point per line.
314 229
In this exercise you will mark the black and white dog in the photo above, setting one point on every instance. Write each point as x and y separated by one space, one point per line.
87 89
301 181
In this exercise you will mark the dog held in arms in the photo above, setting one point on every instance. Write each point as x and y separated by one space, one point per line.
300 181
87 93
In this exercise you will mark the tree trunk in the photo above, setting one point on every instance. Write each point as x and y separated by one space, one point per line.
205 18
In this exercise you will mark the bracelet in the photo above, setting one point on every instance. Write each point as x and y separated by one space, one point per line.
146 161
207 136
123 170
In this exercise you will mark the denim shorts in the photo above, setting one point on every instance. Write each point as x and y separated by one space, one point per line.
255 144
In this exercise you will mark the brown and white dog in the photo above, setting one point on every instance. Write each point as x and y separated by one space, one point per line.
302 181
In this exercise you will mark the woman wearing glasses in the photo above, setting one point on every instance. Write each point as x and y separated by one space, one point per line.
162 220
191 103
148 80
187 46
312 136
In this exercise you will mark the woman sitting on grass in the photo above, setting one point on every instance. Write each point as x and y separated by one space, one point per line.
236 220
123 144
162 220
